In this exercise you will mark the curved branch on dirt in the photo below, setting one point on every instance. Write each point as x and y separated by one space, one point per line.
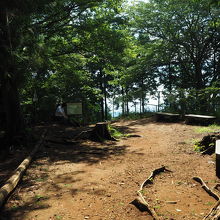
140 201
12 182
206 188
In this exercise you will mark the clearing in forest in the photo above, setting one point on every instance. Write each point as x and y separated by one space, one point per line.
98 181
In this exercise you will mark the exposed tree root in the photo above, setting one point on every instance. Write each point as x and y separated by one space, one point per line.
209 150
133 135
83 135
214 213
65 142
140 202
206 188
12 182
216 187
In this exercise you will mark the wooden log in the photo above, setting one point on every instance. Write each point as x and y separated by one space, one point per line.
12 182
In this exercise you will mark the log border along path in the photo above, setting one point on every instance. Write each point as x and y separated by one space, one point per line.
13 181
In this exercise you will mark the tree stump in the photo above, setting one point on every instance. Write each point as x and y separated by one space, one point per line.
101 132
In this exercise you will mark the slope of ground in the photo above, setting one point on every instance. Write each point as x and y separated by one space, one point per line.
88 180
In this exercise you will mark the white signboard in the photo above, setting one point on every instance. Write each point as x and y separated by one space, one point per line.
74 108
217 147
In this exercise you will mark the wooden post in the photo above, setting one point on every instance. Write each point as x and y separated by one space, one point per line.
217 152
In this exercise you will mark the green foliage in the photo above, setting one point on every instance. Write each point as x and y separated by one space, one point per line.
205 101
93 51
198 147
114 132
170 29
135 116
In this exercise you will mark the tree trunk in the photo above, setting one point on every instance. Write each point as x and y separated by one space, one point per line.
122 105
105 98
127 103
198 76
11 106
101 100
142 95
8 83
140 105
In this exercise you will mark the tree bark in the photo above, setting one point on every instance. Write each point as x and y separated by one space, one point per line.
122 104
9 82
101 132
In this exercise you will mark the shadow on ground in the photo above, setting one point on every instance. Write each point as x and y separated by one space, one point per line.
82 151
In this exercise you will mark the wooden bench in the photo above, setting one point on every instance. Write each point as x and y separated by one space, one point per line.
199 119
168 117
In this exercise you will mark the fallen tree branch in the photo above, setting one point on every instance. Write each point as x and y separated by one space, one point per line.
12 182
140 201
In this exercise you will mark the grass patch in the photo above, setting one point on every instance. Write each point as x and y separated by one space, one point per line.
209 203
208 129
157 207
115 133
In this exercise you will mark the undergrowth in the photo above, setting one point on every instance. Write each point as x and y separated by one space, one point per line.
197 146
115 133
208 129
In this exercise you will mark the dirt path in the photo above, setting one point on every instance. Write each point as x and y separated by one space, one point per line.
87 180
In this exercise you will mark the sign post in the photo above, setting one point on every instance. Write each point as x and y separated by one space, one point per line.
217 152
74 108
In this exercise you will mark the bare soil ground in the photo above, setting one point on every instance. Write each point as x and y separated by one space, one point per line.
98 181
